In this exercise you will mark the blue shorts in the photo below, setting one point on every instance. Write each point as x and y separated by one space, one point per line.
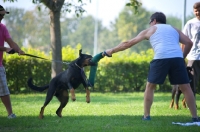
175 68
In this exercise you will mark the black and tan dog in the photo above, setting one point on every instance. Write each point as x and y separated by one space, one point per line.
176 92
69 79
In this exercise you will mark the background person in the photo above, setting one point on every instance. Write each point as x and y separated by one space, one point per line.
5 37
192 30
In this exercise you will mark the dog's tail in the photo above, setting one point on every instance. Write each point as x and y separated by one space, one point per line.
36 88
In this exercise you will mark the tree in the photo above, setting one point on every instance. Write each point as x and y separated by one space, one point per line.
77 31
135 4
81 30
129 24
190 16
107 38
36 28
174 21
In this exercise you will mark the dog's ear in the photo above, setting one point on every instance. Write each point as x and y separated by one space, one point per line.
80 52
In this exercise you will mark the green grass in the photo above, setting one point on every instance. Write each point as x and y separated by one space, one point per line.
108 112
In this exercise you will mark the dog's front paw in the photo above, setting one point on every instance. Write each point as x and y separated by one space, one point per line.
88 99
73 98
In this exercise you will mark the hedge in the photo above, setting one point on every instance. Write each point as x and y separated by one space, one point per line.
124 72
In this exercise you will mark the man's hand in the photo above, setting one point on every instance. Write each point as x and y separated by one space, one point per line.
21 52
10 51
107 53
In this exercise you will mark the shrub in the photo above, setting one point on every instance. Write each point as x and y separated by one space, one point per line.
124 72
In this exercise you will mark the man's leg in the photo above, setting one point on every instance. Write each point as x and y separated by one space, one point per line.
190 99
7 103
148 98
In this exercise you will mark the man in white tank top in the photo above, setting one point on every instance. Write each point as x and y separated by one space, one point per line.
168 57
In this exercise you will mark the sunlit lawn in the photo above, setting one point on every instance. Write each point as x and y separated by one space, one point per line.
107 112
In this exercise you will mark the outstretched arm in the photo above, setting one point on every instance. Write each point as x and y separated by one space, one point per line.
127 44
6 49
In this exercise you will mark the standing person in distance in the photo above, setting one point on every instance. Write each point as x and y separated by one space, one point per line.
192 30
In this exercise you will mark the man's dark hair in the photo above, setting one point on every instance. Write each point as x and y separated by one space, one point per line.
196 5
159 16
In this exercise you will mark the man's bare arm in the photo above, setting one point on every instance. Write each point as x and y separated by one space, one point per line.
186 43
14 46
127 44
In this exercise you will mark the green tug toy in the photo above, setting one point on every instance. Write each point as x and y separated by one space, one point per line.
93 69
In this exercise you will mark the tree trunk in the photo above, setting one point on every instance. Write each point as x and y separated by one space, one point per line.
56 45
55 7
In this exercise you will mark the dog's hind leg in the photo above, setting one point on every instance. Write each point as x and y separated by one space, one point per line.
49 97
178 94
184 102
173 95
63 97
41 115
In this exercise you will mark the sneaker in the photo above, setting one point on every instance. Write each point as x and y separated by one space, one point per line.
11 116
196 119
148 118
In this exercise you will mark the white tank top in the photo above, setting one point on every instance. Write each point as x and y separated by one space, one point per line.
165 42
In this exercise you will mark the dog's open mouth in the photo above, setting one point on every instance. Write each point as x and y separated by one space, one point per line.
91 63
86 62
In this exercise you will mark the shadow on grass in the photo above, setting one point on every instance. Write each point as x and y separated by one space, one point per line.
113 123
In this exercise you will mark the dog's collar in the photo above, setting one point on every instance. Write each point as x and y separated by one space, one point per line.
78 66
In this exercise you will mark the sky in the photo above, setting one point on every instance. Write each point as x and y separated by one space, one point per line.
108 10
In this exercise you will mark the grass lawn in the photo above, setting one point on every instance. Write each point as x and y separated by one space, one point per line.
108 112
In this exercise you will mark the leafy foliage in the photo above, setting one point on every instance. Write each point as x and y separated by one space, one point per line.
124 72
135 4
32 28
174 21
9 0
36 29
75 31
128 25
